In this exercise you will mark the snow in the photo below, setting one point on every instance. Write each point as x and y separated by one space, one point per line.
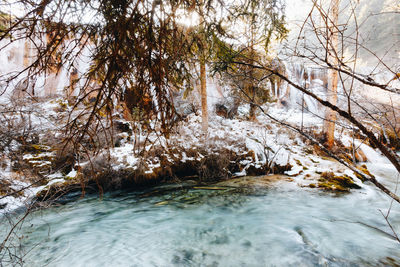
124 156
185 157
41 155
72 174
295 170
270 142
371 154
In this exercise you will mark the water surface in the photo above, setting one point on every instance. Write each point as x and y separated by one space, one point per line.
278 226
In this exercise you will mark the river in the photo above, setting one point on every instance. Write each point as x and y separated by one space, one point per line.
276 225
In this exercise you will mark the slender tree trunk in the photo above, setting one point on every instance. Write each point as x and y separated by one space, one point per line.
252 88
27 62
203 92
252 112
73 79
27 56
203 75
274 90
333 44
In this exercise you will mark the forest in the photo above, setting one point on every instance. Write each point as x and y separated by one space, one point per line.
199 133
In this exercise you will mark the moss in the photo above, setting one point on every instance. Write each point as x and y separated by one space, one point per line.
38 147
5 22
312 185
62 105
40 158
329 181
359 176
308 151
298 162
346 158
363 168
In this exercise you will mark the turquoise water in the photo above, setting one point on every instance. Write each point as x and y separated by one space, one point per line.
278 226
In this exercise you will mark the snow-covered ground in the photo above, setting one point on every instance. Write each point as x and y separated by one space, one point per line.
269 143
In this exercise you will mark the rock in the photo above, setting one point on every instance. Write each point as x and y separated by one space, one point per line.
228 108
123 126
221 110
256 171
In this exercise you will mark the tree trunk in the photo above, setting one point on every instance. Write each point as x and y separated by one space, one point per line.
73 79
252 112
203 92
333 44
203 76
29 89
252 91
27 56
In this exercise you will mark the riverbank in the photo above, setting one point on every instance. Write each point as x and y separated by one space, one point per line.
38 166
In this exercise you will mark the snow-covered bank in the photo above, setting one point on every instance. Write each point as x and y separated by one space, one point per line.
232 147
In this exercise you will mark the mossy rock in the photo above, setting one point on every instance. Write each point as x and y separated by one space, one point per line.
329 181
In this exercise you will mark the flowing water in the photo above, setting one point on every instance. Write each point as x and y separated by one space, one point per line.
279 225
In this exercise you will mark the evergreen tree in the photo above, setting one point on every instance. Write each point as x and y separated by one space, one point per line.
262 22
